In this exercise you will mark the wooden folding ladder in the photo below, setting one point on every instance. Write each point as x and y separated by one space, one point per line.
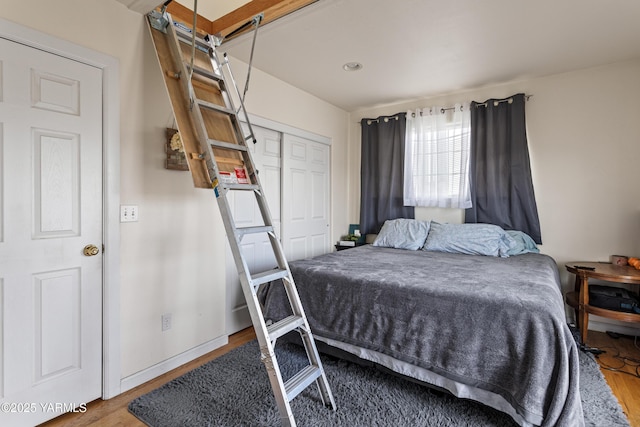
219 158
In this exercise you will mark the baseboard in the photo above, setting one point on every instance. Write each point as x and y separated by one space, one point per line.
165 366
602 324
238 319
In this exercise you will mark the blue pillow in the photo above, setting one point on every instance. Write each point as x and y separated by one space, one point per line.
471 239
524 243
402 233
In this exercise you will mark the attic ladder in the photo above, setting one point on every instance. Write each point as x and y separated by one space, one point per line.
219 158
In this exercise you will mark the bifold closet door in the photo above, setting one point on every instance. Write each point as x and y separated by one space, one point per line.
305 192
266 154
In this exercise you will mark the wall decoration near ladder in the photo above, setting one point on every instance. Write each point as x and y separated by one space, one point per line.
176 159
216 149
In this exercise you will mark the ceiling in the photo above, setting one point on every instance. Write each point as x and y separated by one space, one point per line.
420 48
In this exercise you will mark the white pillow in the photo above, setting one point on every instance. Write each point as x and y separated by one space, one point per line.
403 233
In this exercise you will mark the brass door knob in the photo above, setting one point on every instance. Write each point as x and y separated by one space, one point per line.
91 250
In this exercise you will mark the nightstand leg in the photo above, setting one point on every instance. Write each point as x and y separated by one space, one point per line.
576 288
584 316
584 324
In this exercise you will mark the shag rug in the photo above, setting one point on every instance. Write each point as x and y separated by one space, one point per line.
234 390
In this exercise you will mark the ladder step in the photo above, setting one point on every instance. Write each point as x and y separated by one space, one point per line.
185 36
205 73
241 187
226 145
284 326
301 380
268 276
219 149
254 230
215 107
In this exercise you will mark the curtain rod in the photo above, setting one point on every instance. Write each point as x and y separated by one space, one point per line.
442 110
484 104
498 101
385 118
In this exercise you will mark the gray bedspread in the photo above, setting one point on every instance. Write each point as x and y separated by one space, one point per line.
497 324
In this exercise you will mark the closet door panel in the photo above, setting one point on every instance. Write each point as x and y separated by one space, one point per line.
306 199
266 154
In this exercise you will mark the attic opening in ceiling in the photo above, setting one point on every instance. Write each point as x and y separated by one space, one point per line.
223 19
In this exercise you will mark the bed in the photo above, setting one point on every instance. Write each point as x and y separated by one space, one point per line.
485 327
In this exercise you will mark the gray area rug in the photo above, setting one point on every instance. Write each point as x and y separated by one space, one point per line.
234 390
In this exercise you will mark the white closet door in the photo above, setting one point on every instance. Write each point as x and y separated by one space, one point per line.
294 173
266 154
305 214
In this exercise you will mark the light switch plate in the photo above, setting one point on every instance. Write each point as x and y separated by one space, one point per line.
128 213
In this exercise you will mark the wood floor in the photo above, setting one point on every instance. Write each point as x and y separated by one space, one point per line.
626 387
114 413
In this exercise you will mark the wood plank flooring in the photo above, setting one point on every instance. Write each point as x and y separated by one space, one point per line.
114 413
626 387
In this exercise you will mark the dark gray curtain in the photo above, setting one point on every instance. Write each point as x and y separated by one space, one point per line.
501 185
382 172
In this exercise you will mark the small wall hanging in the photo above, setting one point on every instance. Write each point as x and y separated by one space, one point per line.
176 159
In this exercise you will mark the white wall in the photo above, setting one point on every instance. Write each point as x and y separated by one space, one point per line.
213 10
584 142
172 260
278 101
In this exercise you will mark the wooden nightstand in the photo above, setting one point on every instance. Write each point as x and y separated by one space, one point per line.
579 299
341 247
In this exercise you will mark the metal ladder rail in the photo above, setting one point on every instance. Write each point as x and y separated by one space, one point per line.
298 320
284 392
266 349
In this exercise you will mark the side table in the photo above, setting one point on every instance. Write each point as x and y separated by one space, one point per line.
579 298
340 247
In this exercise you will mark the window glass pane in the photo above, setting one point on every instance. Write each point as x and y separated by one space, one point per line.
437 156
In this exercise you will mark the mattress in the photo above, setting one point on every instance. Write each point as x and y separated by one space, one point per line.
486 328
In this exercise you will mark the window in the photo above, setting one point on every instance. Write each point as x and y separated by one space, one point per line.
436 167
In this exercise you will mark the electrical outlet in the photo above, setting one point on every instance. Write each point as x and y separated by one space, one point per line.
166 322
128 213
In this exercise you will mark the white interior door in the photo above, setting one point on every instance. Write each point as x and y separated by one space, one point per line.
266 154
50 209
305 216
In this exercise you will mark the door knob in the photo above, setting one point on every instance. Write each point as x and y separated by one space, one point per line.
91 250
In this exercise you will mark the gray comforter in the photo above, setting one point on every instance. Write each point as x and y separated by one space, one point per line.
496 324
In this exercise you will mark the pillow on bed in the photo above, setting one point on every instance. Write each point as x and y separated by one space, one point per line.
472 239
523 243
403 233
